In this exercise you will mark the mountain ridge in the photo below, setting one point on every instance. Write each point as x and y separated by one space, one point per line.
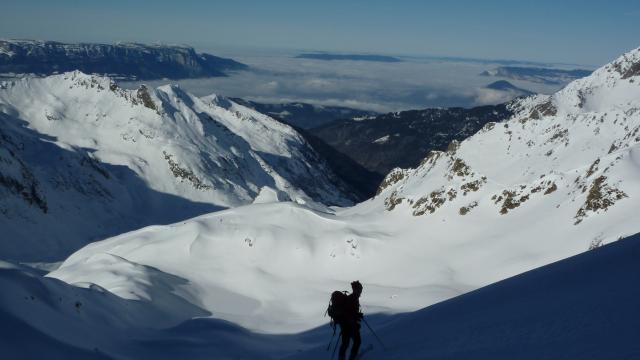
124 60
78 146
586 134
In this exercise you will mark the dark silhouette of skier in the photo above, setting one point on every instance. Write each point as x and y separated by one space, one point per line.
350 322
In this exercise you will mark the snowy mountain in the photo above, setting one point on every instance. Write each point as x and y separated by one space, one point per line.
83 159
123 60
556 179
573 152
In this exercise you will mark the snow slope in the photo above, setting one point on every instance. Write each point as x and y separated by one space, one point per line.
584 307
82 159
263 266
540 187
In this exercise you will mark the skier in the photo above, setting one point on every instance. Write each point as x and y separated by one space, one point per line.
350 322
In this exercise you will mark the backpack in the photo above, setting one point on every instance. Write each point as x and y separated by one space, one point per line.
336 309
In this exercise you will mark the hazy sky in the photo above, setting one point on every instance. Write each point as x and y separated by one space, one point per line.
575 31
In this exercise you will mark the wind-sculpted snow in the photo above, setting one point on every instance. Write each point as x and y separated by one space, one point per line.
83 159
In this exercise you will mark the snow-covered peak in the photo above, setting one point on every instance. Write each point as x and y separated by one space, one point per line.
70 80
218 100
613 86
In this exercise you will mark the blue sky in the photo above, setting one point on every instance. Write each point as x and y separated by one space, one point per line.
585 32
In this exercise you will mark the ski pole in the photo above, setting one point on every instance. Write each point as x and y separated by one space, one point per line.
336 346
331 341
374 333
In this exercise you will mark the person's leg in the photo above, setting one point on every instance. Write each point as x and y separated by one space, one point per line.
356 344
344 344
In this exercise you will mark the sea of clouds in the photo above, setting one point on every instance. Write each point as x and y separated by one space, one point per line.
414 83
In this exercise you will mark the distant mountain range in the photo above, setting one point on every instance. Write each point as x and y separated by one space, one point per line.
82 159
537 74
123 60
354 57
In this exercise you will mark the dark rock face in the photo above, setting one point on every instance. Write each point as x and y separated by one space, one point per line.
15 176
403 139
130 61
361 183
503 85
633 70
